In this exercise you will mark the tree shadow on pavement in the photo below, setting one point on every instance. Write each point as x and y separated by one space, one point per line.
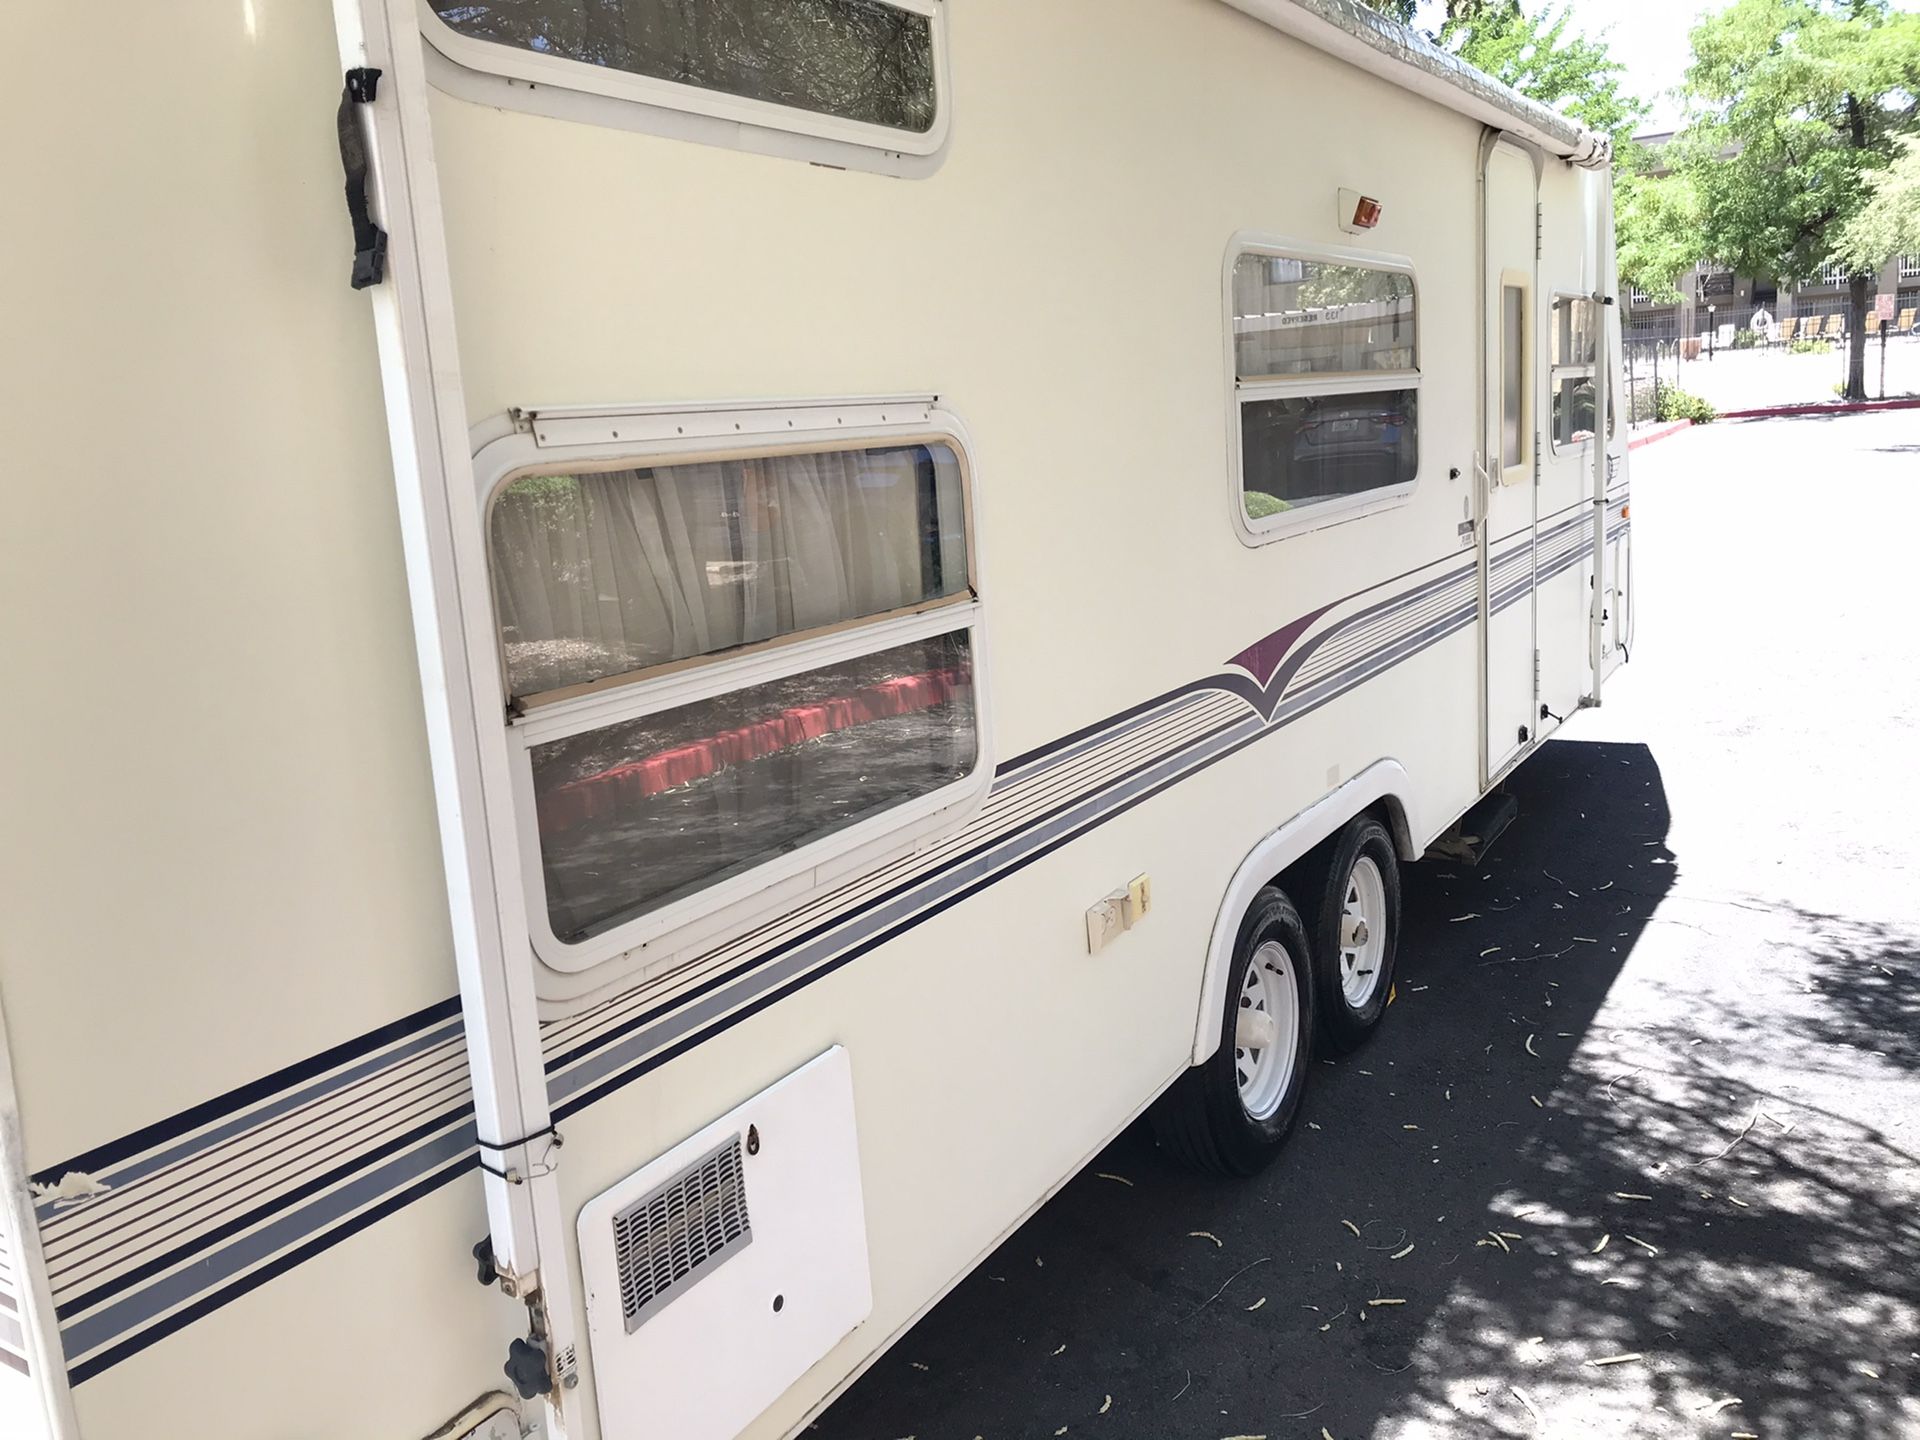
1539 1164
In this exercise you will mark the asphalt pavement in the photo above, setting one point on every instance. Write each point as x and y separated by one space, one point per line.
1637 1152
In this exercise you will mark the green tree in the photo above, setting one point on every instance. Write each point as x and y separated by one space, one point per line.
1539 56
1889 222
1794 107
1656 223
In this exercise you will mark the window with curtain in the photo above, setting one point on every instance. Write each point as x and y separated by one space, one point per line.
1326 382
620 583
1575 348
859 60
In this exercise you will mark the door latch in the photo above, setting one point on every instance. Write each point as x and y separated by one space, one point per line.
369 240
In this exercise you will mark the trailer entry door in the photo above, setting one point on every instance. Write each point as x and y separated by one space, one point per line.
1510 447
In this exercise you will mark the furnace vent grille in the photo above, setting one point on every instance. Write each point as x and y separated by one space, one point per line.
679 1231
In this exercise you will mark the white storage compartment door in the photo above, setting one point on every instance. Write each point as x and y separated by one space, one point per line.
717 1274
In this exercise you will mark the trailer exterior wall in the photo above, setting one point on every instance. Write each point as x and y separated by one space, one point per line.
220 856
1056 281
222 818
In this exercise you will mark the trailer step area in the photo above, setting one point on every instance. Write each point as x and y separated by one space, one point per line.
1474 833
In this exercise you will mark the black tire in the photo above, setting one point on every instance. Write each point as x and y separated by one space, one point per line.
1345 1024
1201 1121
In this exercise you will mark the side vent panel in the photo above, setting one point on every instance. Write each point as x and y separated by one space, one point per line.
667 1239
719 1273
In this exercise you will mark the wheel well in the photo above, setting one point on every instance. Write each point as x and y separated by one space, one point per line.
1376 790
1387 810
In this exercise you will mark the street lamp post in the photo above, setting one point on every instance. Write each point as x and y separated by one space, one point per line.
1710 310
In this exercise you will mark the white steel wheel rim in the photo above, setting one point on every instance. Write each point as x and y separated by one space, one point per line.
1266 1030
1363 933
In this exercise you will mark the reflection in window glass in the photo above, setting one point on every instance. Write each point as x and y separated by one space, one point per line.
600 574
1302 450
640 813
1512 389
1572 409
1314 317
855 59
1575 328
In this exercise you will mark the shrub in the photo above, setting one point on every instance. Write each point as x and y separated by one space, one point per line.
1673 403
1260 504
1745 339
1808 347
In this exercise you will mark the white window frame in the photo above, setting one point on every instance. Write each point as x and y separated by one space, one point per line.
1324 513
553 441
1555 372
1909 267
495 74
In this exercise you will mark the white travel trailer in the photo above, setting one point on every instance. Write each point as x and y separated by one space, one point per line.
946 552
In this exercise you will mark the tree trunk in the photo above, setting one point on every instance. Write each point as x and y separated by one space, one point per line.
1856 284
1856 338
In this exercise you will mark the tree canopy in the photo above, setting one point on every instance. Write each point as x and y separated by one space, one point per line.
1793 107
1889 222
1538 56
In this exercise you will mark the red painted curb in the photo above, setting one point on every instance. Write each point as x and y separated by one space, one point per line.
1857 407
1672 427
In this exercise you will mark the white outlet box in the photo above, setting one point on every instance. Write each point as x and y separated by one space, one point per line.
1105 919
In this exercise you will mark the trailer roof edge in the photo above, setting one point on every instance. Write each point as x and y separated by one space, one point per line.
1363 37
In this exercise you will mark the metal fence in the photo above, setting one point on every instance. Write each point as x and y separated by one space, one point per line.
1644 362
1809 313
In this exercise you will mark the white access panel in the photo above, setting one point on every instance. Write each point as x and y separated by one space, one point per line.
706 1354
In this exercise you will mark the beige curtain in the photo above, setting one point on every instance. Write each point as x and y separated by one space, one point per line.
599 574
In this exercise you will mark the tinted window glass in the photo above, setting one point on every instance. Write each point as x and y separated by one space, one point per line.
640 813
1312 317
604 573
855 59
1305 449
